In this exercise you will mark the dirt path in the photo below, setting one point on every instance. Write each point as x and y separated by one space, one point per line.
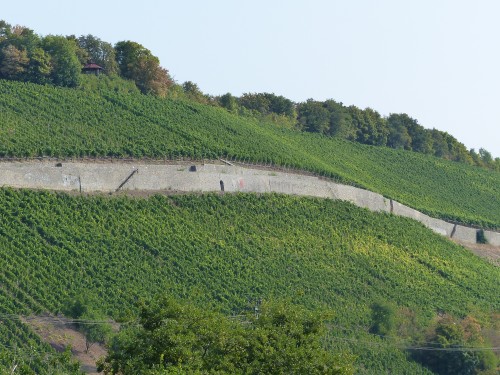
59 333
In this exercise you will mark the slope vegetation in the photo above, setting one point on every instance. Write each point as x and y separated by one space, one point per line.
45 121
228 252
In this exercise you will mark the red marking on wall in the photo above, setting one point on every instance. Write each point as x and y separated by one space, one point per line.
241 182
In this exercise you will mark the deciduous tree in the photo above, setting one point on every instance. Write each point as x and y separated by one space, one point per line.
39 67
13 62
66 67
229 102
340 123
90 322
179 338
450 338
268 103
383 318
313 117
138 64
193 92
398 136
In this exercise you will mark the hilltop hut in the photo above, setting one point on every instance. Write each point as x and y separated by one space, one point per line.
91 68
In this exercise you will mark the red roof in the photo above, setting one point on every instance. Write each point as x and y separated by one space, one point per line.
92 66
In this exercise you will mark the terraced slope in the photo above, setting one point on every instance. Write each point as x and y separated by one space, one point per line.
228 251
37 121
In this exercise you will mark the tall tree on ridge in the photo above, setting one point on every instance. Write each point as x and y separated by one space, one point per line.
39 67
398 131
340 123
13 62
313 117
66 66
138 64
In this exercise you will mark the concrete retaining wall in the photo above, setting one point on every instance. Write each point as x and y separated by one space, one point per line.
493 238
438 226
108 177
360 197
465 234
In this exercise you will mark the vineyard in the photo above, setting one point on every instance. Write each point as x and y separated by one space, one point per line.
228 251
69 123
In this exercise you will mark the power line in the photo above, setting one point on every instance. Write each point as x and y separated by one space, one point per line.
348 339
356 329
59 320
427 348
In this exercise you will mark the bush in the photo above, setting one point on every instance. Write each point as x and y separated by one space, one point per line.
88 321
448 341
383 318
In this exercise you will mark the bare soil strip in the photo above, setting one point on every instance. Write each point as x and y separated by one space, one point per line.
60 333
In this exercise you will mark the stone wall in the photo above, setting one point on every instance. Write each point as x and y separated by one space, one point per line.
493 238
108 177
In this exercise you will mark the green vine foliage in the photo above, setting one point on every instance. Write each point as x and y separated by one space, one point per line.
40 120
226 252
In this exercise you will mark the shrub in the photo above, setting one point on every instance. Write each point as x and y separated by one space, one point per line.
383 318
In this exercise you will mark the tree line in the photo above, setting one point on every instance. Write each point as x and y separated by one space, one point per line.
367 126
58 60
332 118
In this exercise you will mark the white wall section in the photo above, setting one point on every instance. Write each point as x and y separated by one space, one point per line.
110 176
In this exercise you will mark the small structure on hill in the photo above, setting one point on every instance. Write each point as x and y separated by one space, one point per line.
92 68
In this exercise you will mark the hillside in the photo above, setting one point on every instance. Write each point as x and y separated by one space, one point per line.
45 121
227 252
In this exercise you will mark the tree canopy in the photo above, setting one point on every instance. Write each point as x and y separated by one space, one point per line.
58 60
99 52
138 64
449 337
26 56
267 103
66 67
176 337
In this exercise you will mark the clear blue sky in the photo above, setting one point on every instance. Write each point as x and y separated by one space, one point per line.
437 60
